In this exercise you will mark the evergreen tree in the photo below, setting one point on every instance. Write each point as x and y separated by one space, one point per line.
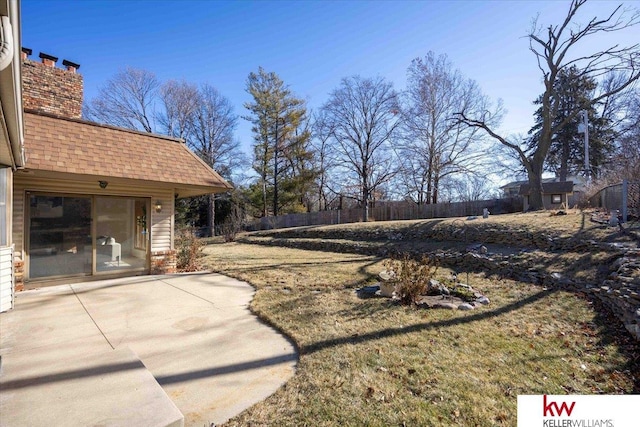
566 156
281 147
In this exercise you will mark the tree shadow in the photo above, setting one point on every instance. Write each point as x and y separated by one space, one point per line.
370 231
390 332
102 370
609 330
95 371
226 369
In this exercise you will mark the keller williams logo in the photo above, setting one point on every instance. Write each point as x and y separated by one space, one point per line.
551 409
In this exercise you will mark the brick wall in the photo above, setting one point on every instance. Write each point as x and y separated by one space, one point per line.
163 262
52 90
18 271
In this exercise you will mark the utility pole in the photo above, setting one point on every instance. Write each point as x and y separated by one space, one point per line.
585 129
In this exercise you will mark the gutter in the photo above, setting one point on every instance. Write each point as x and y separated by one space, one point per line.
11 76
6 42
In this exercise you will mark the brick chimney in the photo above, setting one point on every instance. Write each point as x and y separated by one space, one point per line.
51 90
48 60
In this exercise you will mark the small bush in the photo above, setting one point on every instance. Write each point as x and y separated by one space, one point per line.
188 250
412 277
233 223
464 294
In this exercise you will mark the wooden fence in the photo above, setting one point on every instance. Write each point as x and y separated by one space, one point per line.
624 197
390 211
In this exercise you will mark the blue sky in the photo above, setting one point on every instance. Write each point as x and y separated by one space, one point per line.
311 45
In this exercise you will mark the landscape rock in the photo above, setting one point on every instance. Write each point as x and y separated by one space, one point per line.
483 300
445 305
465 306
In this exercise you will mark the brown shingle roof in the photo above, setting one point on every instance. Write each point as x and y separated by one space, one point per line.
79 147
562 187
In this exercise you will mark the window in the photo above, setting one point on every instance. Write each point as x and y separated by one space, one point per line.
556 198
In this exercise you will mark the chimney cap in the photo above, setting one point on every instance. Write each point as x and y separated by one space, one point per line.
68 63
47 56
27 50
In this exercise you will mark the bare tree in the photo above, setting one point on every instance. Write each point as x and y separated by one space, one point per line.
554 51
204 118
626 161
211 137
126 100
362 115
470 188
179 100
325 159
436 145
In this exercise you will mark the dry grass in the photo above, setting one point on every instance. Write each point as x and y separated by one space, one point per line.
374 362
576 223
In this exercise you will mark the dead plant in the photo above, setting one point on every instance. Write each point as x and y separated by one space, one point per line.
188 250
412 277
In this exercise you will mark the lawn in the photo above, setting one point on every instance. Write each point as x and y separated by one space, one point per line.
374 362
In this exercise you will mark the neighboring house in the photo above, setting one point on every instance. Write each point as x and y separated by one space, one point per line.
94 200
555 195
512 189
11 137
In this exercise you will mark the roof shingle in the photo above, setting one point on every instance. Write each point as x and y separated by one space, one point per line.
79 147
562 187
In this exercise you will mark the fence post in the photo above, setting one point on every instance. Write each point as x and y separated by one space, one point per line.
625 195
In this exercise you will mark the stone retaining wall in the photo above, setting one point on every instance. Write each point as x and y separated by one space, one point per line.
470 232
620 292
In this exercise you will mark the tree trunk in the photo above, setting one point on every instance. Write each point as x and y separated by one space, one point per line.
535 182
564 162
365 204
436 183
211 216
264 196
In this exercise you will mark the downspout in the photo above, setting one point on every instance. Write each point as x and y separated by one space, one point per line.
10 63
6 42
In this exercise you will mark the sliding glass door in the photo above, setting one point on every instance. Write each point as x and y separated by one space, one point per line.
84 235
60 236
121 233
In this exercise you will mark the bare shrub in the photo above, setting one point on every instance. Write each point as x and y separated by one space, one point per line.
233 224
188 250
412 277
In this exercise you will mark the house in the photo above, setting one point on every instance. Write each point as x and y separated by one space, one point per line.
555 195
93 201
512 189
11 138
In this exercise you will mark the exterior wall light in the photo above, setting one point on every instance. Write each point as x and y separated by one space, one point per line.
157 206
103 184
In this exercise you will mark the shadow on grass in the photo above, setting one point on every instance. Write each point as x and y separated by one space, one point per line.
605 327
609 330
371 231
390 332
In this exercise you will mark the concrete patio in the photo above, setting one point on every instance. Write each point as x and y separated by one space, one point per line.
148 350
